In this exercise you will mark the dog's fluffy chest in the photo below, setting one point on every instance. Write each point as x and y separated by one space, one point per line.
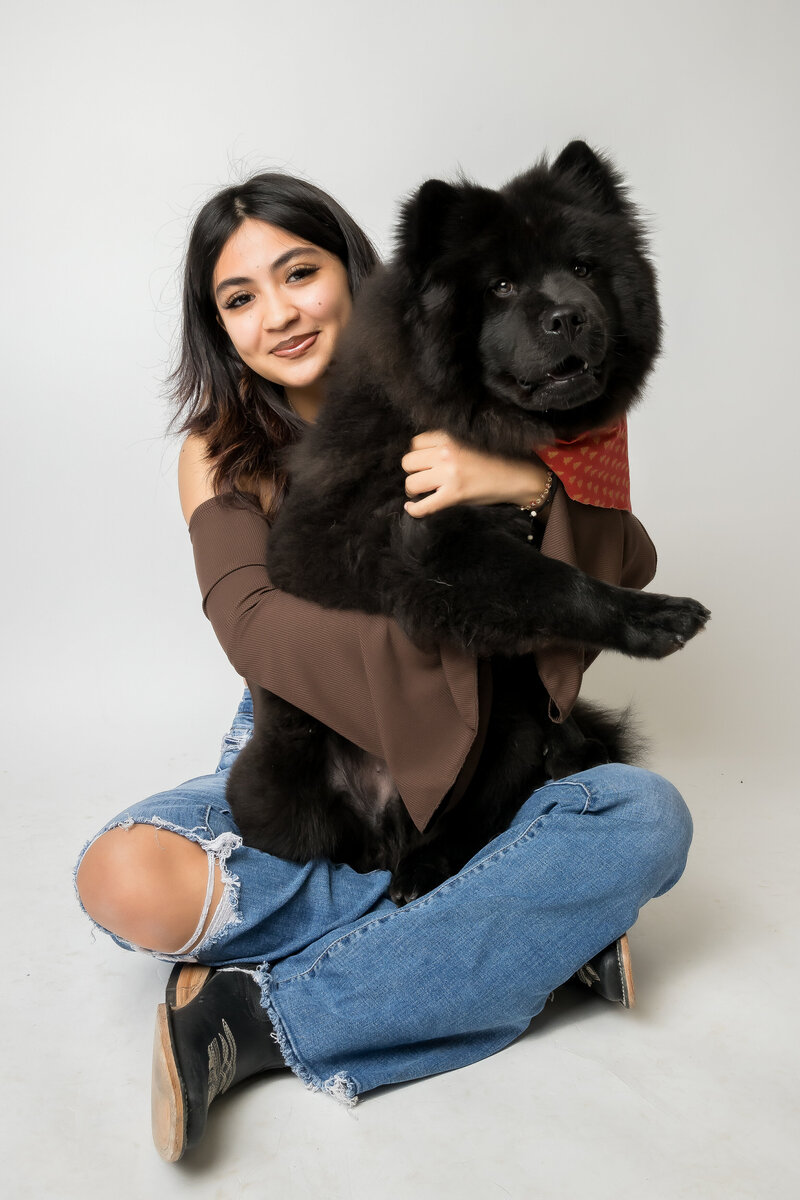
365 780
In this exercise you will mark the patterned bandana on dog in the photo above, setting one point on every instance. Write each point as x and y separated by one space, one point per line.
593 468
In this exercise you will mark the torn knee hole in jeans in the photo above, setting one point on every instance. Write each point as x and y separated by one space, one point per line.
218 849
226 914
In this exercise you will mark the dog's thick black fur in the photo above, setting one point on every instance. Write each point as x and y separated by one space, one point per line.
507 318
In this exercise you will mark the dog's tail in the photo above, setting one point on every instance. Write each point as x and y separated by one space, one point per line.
616 729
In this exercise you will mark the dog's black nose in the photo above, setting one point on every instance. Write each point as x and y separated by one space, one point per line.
568 319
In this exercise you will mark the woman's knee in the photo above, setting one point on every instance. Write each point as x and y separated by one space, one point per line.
656 818
144 884
661 803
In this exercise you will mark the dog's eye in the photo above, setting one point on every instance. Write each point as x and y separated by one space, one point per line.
503 287
581 269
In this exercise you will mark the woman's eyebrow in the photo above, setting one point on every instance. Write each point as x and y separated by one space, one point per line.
280 261
234 281
284 258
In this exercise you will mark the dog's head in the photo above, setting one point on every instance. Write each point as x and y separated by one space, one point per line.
534 306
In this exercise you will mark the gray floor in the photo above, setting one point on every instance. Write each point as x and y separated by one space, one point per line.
693 1094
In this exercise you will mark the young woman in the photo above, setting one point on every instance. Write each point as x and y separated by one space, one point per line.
311 966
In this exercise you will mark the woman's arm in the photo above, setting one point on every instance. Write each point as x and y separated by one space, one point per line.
450 471
271 638
358 674
454 473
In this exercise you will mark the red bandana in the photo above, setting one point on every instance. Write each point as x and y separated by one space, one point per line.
593 468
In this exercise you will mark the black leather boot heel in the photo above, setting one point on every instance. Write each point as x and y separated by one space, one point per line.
610 973
211 1033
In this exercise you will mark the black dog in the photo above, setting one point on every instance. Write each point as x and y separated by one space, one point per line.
507 318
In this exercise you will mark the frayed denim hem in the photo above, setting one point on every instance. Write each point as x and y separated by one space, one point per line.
341 1087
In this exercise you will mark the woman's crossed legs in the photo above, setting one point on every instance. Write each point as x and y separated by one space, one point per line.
360 992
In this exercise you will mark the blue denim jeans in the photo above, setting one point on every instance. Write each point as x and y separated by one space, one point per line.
363 993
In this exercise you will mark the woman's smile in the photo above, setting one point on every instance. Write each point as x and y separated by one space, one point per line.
294 347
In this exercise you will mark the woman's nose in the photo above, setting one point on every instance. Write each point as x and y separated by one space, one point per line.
277 312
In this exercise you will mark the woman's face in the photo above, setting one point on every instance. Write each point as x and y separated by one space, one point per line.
283 302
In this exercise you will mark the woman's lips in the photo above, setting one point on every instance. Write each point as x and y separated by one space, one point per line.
294 347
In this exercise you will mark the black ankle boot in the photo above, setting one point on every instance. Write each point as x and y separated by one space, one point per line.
610 973
211 1033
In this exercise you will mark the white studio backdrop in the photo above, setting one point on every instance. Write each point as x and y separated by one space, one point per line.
121 118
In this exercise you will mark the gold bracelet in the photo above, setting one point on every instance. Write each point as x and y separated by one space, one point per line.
540 500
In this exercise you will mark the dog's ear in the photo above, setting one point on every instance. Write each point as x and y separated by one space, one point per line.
439 222
423 222
595 175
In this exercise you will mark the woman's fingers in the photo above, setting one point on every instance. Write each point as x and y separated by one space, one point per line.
422 458
438 468
430 438
423 508
423 481
429 466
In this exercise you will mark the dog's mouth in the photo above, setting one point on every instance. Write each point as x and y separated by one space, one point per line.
568 384
569 368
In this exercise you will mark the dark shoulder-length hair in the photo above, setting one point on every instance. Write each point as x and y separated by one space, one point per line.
245 420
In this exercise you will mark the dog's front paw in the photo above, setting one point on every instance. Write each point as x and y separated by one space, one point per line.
660 625
419 872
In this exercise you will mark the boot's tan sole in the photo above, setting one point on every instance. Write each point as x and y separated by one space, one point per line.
626 972
190 982
168 1114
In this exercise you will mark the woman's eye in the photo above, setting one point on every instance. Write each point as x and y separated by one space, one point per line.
581 269
237 300
298 273
504 287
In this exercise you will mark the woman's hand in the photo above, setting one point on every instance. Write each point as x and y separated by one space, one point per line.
457 474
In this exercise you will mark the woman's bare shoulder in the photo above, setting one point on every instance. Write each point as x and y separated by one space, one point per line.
195 472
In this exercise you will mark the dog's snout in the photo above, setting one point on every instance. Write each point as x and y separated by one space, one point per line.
567 319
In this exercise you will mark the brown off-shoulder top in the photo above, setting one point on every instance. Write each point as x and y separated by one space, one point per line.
422 713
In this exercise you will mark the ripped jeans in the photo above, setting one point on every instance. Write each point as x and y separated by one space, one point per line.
363 993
